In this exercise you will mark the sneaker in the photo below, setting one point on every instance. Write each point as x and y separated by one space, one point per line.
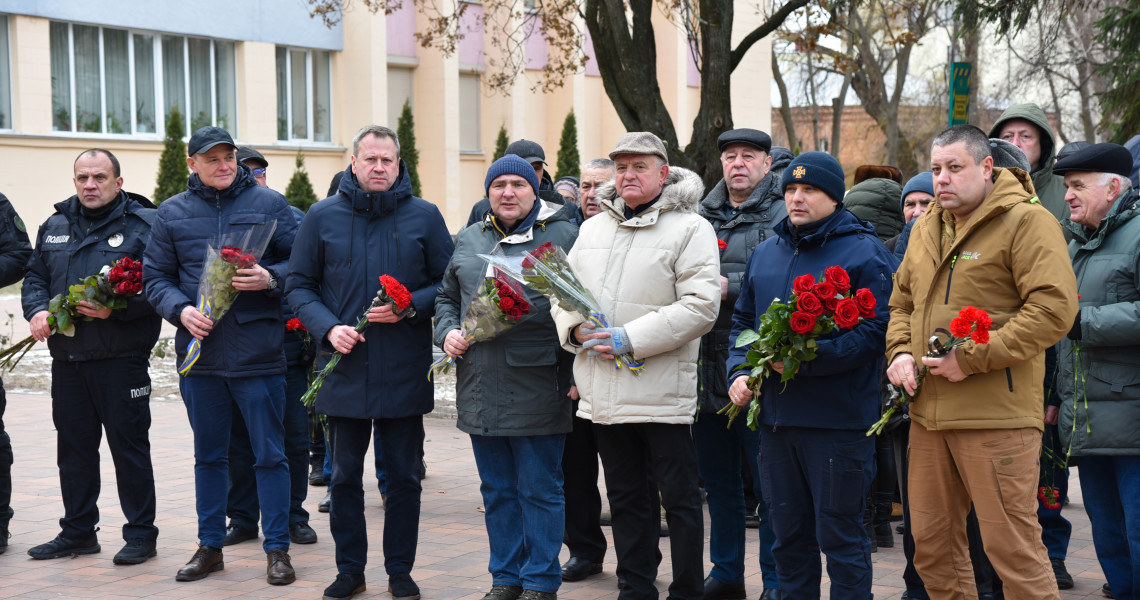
61 546
1064 580
537 595
504 592
323 505
135 552
237 535
279 568
402 587
346 586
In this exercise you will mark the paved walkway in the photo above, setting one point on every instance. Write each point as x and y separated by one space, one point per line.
452 559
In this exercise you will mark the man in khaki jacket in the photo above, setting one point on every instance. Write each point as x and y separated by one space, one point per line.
977 418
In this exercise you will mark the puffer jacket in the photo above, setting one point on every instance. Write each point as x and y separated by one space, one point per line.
1009 260
876 201
65 254
658 275
515 383
346 243
840 388
1050 187
15 247
247 341
741 229
1104 396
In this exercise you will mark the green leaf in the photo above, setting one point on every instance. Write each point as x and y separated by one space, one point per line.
746 337
754 414
53 305
63 323
90 291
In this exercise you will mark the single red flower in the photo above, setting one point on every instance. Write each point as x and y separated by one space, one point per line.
847 313
116 274
960 327
523 305
980 336
827 295
802 322
984 321
866 301
515 312
803 283
721 244
809 303
506 304
838 277
396 291
969 313
294 324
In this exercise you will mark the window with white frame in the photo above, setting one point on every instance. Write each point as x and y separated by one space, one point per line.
304 95
107 80
5 76
469 120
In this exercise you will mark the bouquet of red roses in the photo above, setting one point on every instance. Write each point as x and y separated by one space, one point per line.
971 324
391 292
109 288
498 305
787 332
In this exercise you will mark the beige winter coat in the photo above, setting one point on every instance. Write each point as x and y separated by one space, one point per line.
657 275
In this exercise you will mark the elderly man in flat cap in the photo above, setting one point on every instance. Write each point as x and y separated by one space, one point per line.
1099 416
653 265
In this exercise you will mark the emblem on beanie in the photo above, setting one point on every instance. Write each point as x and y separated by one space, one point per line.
799 172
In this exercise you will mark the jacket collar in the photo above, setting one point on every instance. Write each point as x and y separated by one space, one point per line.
841 222
1123 210
379 204
242 180
681 192
716 204
1011 187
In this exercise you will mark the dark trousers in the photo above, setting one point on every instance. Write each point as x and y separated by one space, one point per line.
5 468
402 445
899 438
242 506
816 483
1055 528
633 456
583 536
88 397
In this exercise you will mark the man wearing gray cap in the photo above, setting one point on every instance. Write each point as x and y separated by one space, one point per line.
1099 415
653 265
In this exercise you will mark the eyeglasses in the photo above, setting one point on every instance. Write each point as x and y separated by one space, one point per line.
260 171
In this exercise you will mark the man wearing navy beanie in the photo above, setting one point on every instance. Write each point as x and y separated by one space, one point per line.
812 429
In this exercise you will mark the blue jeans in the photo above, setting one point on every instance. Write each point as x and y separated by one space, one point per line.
209 404
521 482
816 483
1111 488
719 463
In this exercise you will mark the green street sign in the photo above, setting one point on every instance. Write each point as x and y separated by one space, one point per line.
959 93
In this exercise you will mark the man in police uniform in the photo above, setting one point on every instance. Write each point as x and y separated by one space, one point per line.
15 249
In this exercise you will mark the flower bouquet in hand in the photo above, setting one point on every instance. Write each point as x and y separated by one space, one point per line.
971 324
216 293
391 292
547 270
498 305
787 332
109 288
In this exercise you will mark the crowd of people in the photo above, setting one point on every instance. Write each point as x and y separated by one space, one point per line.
1045 244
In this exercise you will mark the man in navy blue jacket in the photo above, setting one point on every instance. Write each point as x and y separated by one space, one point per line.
372 226
241 360
816 463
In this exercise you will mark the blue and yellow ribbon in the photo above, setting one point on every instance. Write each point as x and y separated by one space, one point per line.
627 359
194 350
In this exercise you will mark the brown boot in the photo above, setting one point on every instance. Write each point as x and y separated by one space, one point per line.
279 570
206 560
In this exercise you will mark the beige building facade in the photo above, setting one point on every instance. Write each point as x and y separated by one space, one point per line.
105 73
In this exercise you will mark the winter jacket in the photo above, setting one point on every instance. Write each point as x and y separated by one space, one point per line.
876 201
346 243
741 229
839 389
1050 187
15 247
247 341
515 383
1104 397
658 275
1008 260
65 254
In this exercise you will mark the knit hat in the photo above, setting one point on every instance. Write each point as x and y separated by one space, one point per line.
1008 156
923 182
818 169
511 164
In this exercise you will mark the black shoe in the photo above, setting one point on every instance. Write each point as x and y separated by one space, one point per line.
537 595
402 587
900 529
135 552
769 594
237 535
206 560
4 535
504 592
716 589
301 533
346 586
1064 580
752 521
323 505
1107 591
578 568
317 477
61 546
884 538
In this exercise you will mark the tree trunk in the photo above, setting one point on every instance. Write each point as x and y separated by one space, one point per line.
785 106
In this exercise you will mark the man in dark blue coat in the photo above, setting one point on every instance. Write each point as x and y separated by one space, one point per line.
816 462
100 376
241 360
373 226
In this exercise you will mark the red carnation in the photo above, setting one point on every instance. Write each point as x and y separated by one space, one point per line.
396 291
721 244
847 313
969 313
802 322
980 336
294 324
809 303
960 327
838 277
866 301
803 284
984 321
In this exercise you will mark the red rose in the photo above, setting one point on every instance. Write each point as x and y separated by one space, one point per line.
506 304
523 305
123 288
839 278
116 274
515 312
847 313
721 244
827 294
866 301
133 276
960 327
527 263
809 303
803 283
980 336
294 324
802 322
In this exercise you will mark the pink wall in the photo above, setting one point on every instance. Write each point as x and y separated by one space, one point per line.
471 26
535 43
694 75
591 61
401 26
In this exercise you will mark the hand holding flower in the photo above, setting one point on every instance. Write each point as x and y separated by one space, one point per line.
251 279
88 309
196 323
344 338
455 344
39 326
384 314
946 366
739 393
903 373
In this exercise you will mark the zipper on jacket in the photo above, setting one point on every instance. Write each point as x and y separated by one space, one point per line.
1009 378
950 277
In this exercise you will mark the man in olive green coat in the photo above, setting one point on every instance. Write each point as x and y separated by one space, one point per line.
1027 127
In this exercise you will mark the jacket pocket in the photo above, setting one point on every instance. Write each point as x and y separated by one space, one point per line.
1108 380
530 383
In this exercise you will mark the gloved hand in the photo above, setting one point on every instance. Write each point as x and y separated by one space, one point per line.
618 340
1075 333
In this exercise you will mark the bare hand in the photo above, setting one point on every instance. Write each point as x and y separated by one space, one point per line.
251 279
87 309
1051 415
778 367
903 373
344 338
39 326
195 322
573 393
383 314
739 393
583 332
723 287
455 344
946 366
